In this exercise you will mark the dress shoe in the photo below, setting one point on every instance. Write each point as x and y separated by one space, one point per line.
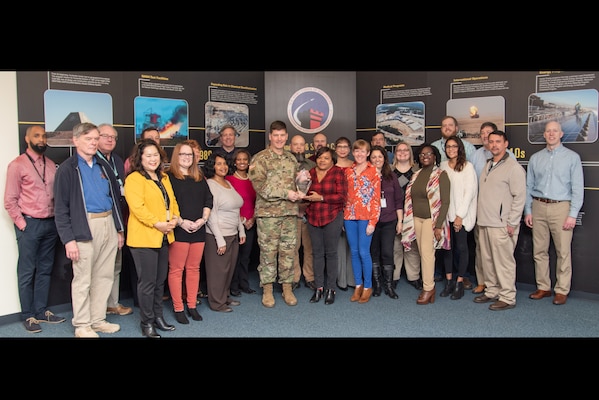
483 299
311 285
148 330
248 290
120 310
342 288
181 318
539 294
501 305
226 309
479 289
329 296
233 303
467 284
316 296
426 296
194 314
235 293
161 324
560 299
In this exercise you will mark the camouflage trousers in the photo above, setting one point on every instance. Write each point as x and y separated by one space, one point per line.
277 237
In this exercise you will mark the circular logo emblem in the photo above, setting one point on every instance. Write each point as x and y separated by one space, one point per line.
310 110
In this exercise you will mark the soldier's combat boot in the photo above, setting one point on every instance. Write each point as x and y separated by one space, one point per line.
267 298
288 295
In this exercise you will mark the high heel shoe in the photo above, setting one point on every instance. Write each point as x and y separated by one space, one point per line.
316 296
181 318
366 293
161 324
329 297
426 296
194 314
148 330
357 293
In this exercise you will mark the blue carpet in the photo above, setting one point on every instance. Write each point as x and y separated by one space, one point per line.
381 317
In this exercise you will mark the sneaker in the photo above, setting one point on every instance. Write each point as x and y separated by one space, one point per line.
31 325
106 327
85 332
120 310
50 318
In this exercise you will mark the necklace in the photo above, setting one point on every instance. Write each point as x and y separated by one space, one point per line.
240 177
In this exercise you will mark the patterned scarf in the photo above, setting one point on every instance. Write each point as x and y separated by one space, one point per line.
408 234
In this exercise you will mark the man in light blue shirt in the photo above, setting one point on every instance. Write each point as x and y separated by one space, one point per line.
554 196
483 153
449 127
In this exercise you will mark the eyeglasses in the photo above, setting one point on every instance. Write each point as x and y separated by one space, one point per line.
110 137
452 146
429 154
185 154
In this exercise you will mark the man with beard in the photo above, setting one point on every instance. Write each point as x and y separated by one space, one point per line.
29 200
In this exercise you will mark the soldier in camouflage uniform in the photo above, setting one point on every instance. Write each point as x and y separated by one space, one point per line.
272 172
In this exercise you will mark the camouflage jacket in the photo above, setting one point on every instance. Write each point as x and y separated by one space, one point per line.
272 176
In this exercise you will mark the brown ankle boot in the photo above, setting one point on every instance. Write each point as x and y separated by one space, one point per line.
357 293
366 293
426 296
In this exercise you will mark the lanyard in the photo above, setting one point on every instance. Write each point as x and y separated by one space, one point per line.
42 176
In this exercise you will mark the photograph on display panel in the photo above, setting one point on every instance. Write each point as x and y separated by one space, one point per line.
219 114
63 109
168 116
473 111
575 110
401 122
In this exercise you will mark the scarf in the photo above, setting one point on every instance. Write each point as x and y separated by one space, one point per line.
408 233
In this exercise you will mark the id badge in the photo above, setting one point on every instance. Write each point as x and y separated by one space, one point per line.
383 203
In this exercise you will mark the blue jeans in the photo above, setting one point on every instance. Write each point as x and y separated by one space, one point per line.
359 245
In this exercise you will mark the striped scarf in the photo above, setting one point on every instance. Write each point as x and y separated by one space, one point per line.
408 234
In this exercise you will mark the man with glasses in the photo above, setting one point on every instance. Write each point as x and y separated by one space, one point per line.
106 145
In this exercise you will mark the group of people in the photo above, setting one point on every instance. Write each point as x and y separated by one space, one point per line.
359 221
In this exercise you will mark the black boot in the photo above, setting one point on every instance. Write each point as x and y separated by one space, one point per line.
161 324
377 281
316 296
449 286
417 284
329 297
148 330
388 275
458 292
394 284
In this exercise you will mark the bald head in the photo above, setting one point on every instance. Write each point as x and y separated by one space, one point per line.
36 139
298 144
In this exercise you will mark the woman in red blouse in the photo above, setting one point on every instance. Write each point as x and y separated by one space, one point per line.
327 197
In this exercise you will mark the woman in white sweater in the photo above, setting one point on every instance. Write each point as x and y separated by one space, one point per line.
461 214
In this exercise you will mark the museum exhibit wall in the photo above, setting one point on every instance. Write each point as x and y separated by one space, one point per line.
405 105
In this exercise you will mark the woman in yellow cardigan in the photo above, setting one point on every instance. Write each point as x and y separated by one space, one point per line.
153 214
